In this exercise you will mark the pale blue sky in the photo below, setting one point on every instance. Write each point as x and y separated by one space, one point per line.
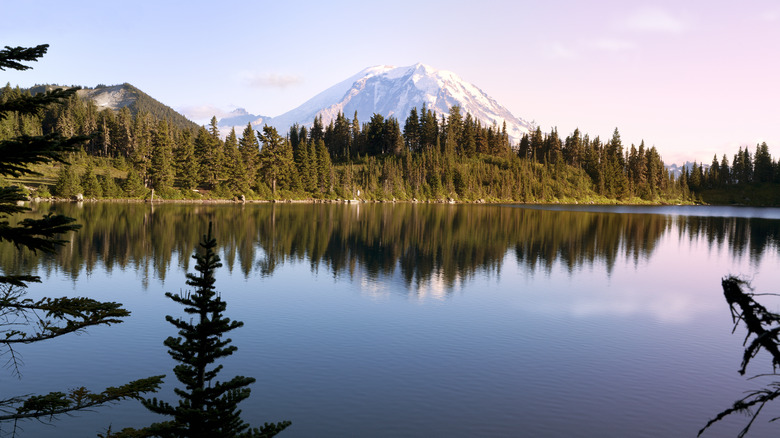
693 78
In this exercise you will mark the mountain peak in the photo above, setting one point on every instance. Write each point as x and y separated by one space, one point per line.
425 68
393 91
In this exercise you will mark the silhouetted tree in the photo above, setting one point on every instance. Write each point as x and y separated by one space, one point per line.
207 408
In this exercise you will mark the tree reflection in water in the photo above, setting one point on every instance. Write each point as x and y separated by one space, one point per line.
447 243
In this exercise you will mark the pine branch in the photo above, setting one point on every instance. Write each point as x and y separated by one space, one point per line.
11 57
50 318
33 105
78 399
20 152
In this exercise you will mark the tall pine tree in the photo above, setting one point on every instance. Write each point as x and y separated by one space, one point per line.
207 407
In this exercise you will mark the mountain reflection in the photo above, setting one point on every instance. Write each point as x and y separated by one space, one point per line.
443 244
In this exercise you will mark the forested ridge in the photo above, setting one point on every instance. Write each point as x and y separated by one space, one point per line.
428 157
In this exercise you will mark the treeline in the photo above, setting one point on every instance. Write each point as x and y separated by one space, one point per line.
743 170
752 179
430 157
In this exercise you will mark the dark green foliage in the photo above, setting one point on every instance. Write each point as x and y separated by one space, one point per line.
12 57
276 161
237 180
133 185
109 186
209 151
207 407
249 149
324 180
161 171
141 155
763 167
751 181
90 183
145 103
186 164
68 184
24 320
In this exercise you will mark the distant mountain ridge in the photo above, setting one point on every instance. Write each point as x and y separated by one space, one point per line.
116 97
126 95
393 92
676 169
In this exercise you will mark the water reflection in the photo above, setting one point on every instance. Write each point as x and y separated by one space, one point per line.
431 247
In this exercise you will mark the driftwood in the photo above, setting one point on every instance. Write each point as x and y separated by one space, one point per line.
763 327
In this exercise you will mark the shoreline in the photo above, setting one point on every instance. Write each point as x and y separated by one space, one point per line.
353 201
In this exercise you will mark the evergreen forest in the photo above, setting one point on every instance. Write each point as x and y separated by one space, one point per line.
144 150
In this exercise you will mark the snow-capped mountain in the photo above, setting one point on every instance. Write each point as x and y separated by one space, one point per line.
394 91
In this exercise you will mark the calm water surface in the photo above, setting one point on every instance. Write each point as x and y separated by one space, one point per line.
423 320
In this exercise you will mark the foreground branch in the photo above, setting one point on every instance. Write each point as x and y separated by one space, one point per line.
763 326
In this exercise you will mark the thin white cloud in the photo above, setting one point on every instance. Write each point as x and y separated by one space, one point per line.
653 20
771 16
557 50
201 113
611 45
271 80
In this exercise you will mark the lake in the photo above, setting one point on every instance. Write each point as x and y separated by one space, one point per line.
387 320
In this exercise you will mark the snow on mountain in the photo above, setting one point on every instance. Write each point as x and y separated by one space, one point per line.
394 91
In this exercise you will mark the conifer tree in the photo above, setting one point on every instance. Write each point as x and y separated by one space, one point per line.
746 168
250 152
235 167
468 142
306 161
429 129
393 137
725 171
209 150
109 186
355 133
141 156
123 134
67 184
104 136
341 138
375 139
133 185
324 168
537 144
161 171
186 162
317 130
276 160
572 148
738 166
204 153
207 407
90 183
762 163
